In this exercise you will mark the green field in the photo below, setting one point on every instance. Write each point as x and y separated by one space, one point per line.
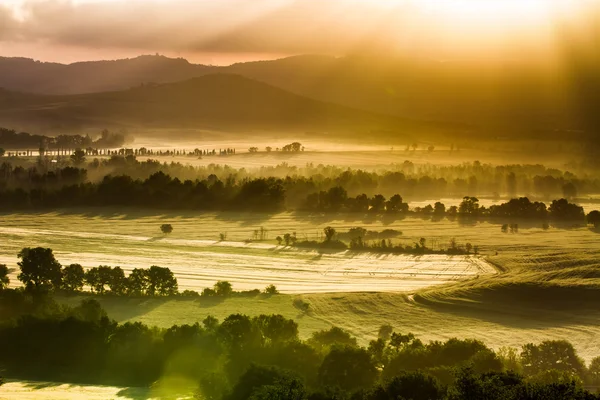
546 286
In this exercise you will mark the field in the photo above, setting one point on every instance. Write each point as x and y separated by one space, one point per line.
27 390
545 286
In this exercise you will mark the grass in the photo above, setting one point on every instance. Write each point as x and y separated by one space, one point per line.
27 390
546 289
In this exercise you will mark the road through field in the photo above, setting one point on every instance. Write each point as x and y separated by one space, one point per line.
199 263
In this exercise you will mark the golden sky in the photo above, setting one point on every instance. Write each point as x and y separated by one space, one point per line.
226 31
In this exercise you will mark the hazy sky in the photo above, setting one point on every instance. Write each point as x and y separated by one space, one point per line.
225 31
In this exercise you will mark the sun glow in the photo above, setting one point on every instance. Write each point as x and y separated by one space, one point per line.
487 13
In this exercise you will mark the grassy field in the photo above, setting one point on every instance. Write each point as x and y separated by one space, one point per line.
199 260
27 390
546 288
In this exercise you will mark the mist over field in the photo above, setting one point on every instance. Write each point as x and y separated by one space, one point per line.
299 200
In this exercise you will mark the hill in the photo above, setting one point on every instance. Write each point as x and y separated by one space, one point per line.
516 98
27 75
218 101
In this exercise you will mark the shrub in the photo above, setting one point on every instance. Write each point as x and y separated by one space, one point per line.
271 289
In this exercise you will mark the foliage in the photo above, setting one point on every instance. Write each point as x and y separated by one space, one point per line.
39 269
166 228
4 279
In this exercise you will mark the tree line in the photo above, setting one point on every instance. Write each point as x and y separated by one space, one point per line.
263 357
40 272
414 182
11 139
68 187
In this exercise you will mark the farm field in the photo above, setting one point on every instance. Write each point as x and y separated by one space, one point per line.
31 390
534 261
198 260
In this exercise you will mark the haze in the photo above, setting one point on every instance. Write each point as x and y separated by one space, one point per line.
223 32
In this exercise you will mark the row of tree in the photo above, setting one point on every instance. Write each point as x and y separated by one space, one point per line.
413 181
40 272
263 357
10 139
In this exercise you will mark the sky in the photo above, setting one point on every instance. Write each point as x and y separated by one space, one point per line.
226 31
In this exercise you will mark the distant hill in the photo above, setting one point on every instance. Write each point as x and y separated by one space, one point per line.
218 101
27 75
492 98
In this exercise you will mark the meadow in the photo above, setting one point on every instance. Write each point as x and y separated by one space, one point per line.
542 284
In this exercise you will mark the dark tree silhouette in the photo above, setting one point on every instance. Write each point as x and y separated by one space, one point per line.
78 157
161 281
73 278
137 282
348 367
329 233
4 280
594 218
39 269
166 228
223 289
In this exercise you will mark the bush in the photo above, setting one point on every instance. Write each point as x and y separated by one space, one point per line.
190 293
166 228
271 289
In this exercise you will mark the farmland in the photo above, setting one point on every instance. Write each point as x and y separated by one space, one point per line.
431 297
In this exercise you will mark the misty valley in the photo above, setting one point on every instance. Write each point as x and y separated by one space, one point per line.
299 200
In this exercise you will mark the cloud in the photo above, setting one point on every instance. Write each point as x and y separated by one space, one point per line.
261 26
7 23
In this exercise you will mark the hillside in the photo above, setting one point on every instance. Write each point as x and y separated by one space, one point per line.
509 99
27 75
219 101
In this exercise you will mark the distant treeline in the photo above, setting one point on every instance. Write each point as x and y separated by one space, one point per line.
413 181
12 140
262 357
69 187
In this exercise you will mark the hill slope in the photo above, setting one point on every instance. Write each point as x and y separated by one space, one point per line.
27 75
219 101
517 98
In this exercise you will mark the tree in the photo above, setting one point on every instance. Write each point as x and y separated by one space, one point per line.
409 385
349 368
39 269
329 233
161 281
4 280
439 209
562 209
137 282
166 228
377 203
78 157
594 218
269 149
469 206
279 240
223 289
551 355
271 289
2 152
117 281
325 339
99 278
73 277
